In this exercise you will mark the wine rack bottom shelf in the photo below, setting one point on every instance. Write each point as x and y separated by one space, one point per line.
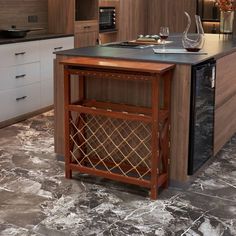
116 148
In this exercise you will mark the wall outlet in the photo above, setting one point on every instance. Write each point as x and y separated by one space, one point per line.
32 19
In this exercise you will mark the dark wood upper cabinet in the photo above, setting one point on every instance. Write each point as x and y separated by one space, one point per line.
61 16
86 10
170 13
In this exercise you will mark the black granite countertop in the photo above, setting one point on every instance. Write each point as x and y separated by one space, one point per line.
32 37
215 46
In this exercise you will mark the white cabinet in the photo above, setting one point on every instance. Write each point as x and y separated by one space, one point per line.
19 75
26 75
19 101
19 79
19 53
47 48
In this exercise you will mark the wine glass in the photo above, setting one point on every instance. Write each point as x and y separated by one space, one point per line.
164 33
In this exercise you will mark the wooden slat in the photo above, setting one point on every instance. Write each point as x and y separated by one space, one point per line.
163 114
116 74
119 107
125 166
115 64
144 183
113 176
113 114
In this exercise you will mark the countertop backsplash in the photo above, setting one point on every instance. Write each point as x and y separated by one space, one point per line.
24 14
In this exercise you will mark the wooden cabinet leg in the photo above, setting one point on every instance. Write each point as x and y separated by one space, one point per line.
155 137
67 98
154 192
68 173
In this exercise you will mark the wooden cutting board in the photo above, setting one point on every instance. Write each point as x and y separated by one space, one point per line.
148 42
145 42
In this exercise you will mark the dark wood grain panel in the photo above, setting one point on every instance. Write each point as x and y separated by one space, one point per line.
169 13
132 19
225 123
61 16
116 64
16 12
225 79
180 110
225 101
59 103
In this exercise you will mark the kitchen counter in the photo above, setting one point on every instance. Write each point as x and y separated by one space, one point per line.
216 46
222 49
32 37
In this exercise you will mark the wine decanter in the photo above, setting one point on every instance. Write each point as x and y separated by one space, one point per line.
196 42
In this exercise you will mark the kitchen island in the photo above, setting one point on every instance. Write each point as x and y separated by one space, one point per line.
221 49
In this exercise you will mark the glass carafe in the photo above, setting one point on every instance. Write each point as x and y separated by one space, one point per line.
193 42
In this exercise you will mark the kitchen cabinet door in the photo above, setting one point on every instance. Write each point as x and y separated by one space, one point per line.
61 16
86 33
47 48
170 13
132 19
86 39
19 101
19 53
19 75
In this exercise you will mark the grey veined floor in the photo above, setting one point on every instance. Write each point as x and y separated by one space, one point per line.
36 199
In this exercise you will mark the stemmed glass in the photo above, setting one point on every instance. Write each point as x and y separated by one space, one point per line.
164 33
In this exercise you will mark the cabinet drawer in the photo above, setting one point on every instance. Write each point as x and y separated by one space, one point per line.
47 47
86 26
19 101
17 76
19 53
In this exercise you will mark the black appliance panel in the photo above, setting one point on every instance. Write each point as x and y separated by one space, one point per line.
202 115
107 18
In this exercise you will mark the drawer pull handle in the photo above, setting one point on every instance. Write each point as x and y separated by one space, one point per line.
87 27
19 53
20 76
21 98
58 48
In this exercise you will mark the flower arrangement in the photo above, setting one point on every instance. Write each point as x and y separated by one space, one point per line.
226 5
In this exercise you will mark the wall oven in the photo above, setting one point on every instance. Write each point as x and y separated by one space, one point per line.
107 19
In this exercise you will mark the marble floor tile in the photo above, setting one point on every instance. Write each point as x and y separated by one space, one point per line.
36 199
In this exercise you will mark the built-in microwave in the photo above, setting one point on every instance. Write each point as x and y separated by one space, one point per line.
107 18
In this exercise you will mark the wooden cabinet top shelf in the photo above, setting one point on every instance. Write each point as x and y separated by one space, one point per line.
86 10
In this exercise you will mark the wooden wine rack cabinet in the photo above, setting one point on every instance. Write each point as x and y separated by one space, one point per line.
118 141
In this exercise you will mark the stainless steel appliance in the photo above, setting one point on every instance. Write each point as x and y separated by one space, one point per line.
202 115
107 18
